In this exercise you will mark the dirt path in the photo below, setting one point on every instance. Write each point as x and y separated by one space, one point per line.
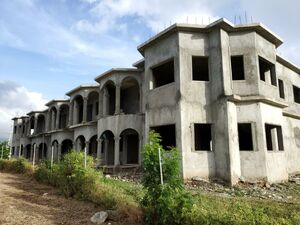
24 201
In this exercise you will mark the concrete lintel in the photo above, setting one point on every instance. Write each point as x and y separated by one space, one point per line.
291 114
257 98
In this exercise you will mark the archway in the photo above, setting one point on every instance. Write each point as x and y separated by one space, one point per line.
78 109
54 147
41 124
42 152
109 98
52 118
80 143
27 151
130 96
63 116
129 147
108 147
92 106
93 146
66 146
31 125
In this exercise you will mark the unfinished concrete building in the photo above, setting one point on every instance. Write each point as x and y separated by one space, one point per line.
220 93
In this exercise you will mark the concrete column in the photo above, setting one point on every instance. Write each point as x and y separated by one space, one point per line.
87 145
52 120
117 151
70 121
75 113
31 152
140 150
57 120
274 139
140 99
227 155
85 100
118 99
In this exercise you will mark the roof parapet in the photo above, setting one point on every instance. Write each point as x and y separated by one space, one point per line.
117 70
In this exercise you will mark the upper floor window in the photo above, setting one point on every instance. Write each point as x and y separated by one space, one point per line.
267 71
237 67
245 136
15 129
200 68
281 89
296 92
163 74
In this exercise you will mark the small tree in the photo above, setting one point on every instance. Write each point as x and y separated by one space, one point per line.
4 150
163 203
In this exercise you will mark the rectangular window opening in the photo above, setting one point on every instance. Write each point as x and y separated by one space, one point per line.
168 135
203 137
296 92
274 137
163 74
237 67
281 89
245 137
267 71
200 68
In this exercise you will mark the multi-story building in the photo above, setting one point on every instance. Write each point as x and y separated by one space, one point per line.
220 93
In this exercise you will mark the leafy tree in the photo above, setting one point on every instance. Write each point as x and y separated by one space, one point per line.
4 150
165 203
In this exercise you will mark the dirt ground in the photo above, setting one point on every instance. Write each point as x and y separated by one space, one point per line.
24 201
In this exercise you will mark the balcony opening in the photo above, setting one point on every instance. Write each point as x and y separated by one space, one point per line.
200 68
130 96
281 89
296 92
267 71
163 74
168 135
245 137
202 137
237 67
274 137
64 116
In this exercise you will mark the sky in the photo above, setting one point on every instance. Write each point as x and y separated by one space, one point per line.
49 47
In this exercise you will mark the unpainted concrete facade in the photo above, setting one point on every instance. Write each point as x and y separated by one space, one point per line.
220 93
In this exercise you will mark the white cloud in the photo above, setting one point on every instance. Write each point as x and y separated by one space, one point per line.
16 100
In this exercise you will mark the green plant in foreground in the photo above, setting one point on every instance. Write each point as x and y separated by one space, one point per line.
163 203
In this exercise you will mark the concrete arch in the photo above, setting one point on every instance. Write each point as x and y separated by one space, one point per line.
66 146
109 98
64 110
109 81
78 102
93 145
31 125
52 117
80 142
41 124
129 146
108 147
92 105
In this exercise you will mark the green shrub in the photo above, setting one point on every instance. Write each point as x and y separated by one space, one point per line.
163 203
19 165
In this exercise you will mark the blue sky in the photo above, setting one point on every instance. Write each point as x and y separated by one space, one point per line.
50 47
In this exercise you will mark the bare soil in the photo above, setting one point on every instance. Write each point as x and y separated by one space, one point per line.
24 201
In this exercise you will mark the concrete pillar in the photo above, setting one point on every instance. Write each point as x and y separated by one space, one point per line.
57 119
118 99
274 139
140 150
75 113
85 100
70 121
106 142
87 146
227 160
117 151
53 120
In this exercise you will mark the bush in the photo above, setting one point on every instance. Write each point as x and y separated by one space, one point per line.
163 203
19 165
